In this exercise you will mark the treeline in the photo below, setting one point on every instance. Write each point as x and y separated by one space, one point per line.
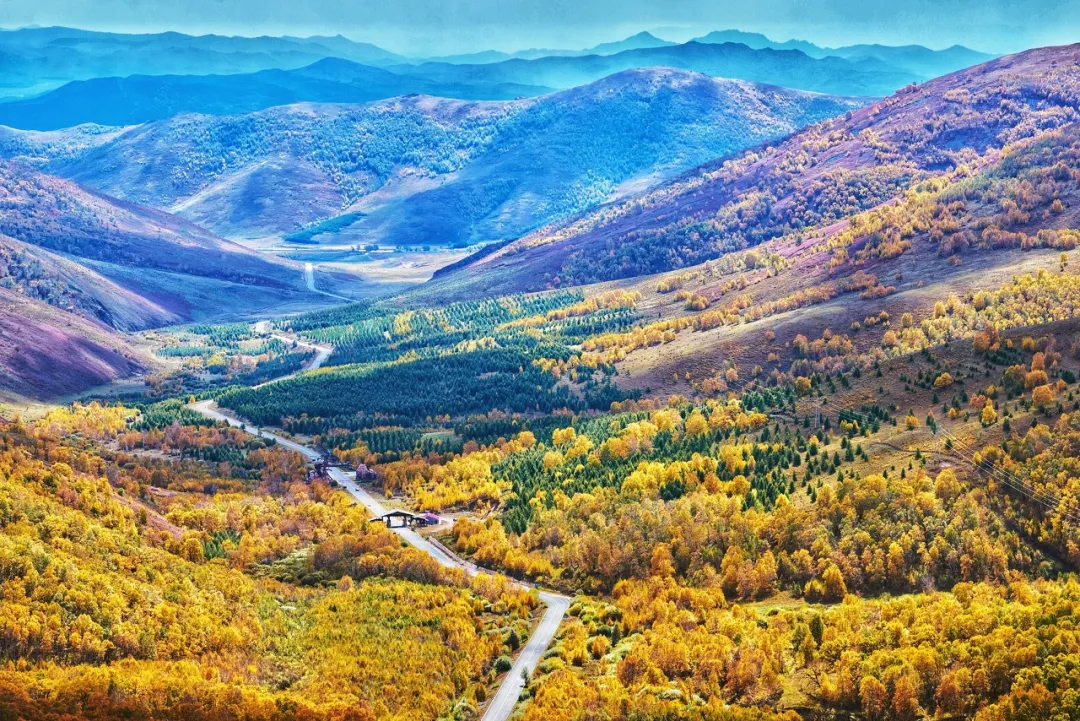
418 389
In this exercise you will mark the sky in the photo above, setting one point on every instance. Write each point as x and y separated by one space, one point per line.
428 27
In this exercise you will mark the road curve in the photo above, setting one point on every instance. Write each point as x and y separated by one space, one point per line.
322 352
510 689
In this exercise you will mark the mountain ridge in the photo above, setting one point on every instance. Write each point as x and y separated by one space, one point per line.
788 68
397 162
874 153
42 59
137 99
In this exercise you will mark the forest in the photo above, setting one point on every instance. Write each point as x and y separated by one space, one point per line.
763 549
145 574
792 436
878 521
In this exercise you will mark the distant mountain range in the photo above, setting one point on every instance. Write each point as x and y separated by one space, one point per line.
420 170
127 79
142 98
634 42
916 59
35 60
788 68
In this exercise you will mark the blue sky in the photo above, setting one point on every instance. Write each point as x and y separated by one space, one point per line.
450 26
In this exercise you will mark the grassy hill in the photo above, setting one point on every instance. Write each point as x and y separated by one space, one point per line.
421 170
46 352
140 267
38 273
951 127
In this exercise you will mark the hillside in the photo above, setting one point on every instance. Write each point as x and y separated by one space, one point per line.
833 474
811 180
140 98
39 147
421 170
189 572
40 274
46 353
179 270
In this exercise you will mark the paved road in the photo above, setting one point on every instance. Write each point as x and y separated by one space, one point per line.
322 352
506 697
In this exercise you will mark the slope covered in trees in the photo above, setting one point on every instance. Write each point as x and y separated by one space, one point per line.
141 583
951 126
820 537
850 494
823 465
420 170
405 368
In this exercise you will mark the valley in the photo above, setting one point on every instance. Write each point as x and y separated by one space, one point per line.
502 705
691 375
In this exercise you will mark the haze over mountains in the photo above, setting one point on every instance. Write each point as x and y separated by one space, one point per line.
118 85
913 58
142 98
39 59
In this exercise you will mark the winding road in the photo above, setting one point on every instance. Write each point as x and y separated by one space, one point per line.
322 352
502 705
